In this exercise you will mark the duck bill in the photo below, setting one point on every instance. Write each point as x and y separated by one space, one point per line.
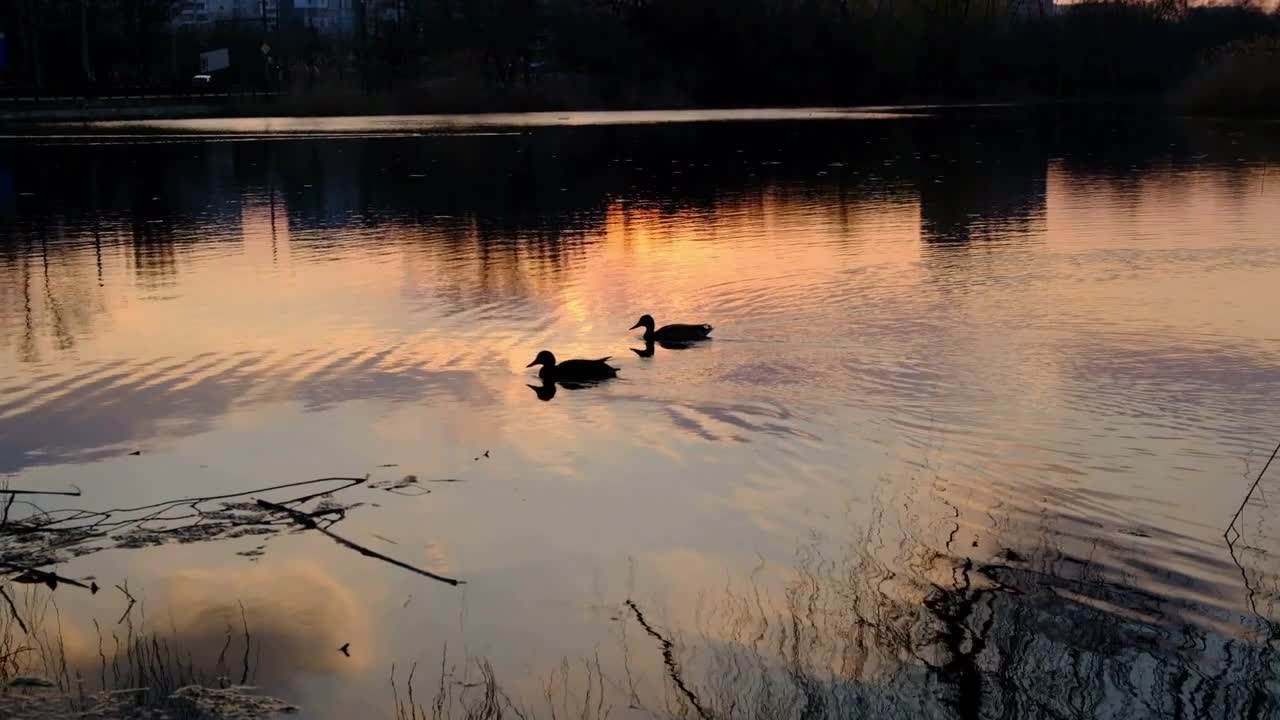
633 327
535 362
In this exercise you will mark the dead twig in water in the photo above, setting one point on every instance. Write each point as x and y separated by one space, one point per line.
309 523
244 622
35 576
14 609
669 659
15 653
1226 533
46 536
125 589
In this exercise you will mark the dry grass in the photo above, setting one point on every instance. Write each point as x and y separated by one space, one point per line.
471 691
139 675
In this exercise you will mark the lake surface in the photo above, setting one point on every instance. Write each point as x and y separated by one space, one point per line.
985 390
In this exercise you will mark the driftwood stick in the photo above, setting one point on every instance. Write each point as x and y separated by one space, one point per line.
1249 494
6 491
308 522
29 574
346 483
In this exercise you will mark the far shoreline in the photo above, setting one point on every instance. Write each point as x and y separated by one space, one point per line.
66 111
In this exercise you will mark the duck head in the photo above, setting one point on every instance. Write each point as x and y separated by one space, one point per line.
545 359
646 322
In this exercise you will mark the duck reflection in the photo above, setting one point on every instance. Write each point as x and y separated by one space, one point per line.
547 390
649 346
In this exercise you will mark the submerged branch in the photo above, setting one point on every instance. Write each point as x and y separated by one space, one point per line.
76 493
34 576
669 659
41 538
1248 495
308 522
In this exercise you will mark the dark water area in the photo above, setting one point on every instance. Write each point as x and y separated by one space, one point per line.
985 390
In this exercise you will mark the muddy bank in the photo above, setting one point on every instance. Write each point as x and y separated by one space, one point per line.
38 699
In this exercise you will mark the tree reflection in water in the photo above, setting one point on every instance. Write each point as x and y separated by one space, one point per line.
893 628
1037 633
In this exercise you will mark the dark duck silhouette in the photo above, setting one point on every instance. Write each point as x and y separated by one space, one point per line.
572 371
675 334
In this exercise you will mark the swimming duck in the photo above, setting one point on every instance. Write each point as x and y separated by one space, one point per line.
572 370
676 333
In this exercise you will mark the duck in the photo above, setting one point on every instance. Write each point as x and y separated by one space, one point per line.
572 370
675 334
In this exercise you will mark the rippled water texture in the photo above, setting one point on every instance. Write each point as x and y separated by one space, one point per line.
984 392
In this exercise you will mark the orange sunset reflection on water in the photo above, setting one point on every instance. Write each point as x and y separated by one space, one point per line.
1010 364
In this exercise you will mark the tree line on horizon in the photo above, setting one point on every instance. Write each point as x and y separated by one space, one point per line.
613 53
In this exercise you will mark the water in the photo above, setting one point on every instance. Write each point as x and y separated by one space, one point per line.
985 391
